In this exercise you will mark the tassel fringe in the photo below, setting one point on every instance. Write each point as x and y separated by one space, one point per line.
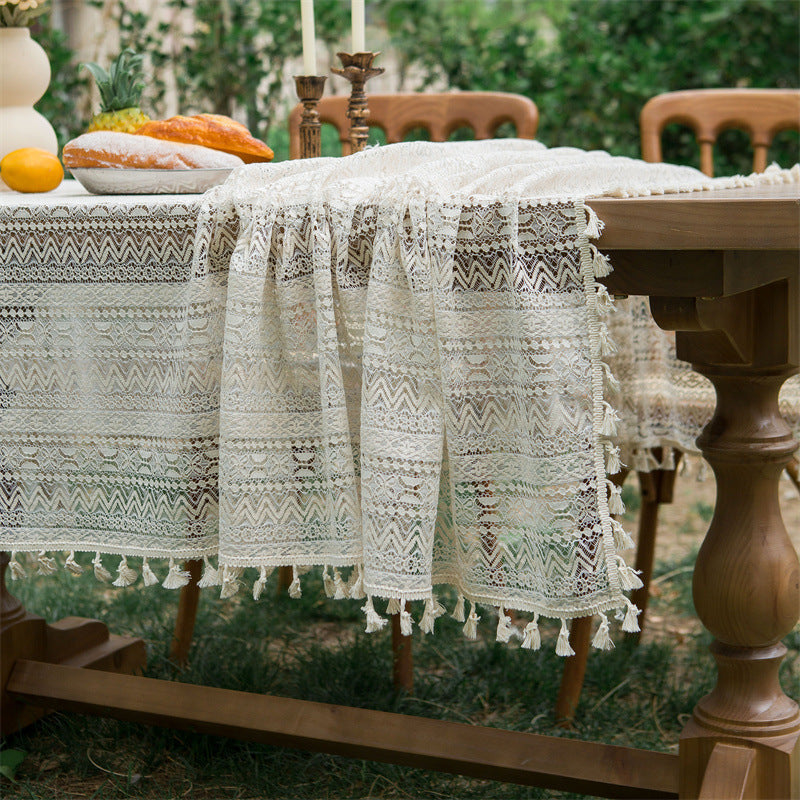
260 584
458 611
149 578
375 622
563 647
433 610
295 590
505 630
631 622
602 639
327 582
176 577
210 577
531 638
406 623
17 570
72 566
622 539
393 606
126 576
615 504
230 582
44 564
471 625
628 577
357 585
339 586
594 226
100 572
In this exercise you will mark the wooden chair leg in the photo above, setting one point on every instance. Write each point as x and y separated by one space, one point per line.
284 579
187 613
402 658
569 693
656 490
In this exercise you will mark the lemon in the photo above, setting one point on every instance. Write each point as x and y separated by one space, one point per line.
30 169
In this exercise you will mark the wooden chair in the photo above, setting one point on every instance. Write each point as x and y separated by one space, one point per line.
396 115
761 113
439 113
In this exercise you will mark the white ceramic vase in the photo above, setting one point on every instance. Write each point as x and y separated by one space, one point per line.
24 77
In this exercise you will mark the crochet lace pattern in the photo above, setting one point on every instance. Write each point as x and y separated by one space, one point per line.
401 362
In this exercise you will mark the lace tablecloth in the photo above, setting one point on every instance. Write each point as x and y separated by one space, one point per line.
393 363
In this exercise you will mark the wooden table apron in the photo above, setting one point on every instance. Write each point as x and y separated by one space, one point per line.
723 270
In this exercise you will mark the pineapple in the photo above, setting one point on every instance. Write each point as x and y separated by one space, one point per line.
120 92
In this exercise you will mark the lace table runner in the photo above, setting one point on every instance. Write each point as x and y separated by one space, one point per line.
394 362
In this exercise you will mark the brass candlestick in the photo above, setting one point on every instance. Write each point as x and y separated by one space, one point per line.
357 68
309 91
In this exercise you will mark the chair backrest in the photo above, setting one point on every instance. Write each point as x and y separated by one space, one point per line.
440 114
759 112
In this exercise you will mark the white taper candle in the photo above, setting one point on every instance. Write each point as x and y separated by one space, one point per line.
357 7
309 39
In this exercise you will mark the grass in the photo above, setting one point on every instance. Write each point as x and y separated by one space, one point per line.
315 648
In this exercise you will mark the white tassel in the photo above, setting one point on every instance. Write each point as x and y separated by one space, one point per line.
668 459
505 630
613 463
602 640
339 585
606 343
608 427
601 266
471 625
230 582
357 589
604 302
611 381
593 225
211 576
176 577
615 504
684 467
17 570
563 647
149 578
100 572
531 637
45 565
433 610
260 584
126 575
375 622
71 565
393 606
327 582
406 623
631 622
628 577
295 591
458 611
622 539
702 472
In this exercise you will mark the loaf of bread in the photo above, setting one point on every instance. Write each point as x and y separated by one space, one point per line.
128 151
210 130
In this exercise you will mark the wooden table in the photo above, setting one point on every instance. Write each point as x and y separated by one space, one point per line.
722 269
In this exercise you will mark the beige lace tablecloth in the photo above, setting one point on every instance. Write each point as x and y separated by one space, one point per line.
396 363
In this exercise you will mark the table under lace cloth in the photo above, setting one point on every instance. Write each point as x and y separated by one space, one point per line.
397 362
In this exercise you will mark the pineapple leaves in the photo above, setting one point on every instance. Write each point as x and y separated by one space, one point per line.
120 87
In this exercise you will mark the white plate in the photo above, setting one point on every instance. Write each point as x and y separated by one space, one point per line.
106 180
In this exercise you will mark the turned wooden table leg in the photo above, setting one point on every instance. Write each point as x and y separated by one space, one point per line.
747 577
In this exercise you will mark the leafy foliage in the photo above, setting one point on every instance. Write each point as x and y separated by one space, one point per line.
590 65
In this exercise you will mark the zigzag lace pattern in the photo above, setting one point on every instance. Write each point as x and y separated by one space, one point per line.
396 361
